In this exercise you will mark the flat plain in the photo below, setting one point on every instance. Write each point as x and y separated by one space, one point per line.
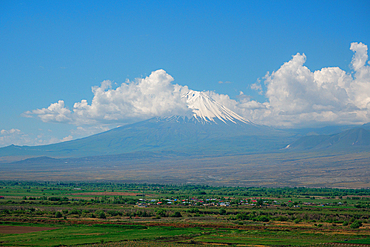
121 214
280 169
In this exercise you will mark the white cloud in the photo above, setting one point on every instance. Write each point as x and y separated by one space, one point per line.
295 96
10 132
67 138
298 96
13 136
360 57
91 130
257 86
147 97
56 112
17 137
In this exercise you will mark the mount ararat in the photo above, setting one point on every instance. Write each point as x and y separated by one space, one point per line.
212 145
210 129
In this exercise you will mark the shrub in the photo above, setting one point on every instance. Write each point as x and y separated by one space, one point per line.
282 218
114 212
345 223
296 221
193 210
176 214
6 211
356 224
162 213
242 216
75 211
58 214
263 218
102 215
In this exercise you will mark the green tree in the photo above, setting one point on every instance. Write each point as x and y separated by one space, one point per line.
161 212
356 224
259 202
176 214
102 215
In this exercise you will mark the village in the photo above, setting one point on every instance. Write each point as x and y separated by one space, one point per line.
226 202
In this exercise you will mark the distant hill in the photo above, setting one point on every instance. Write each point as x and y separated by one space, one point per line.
355 138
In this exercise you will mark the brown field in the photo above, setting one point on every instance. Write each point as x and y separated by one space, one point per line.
23 229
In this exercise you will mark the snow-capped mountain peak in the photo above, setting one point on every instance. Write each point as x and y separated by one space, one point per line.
207 109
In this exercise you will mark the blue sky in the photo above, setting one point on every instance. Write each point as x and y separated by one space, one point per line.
59 50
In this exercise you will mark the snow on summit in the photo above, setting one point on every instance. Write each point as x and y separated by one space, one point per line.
207 109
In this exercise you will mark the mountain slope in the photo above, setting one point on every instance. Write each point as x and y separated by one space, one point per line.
355 138
165 134
213 129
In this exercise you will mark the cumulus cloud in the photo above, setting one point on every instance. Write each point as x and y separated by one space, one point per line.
17 137
56 112
143 98
90 130
13 136
257 86
360 57
67 138
294 94
297 95
9 132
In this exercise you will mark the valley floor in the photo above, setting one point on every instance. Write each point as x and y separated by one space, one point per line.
306 169
113 214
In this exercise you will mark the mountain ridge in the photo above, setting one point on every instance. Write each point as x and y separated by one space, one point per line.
358 137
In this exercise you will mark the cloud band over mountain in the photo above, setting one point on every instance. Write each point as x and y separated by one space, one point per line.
144 98
296 96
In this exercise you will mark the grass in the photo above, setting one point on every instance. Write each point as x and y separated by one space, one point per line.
305 225
357 241
144 244
291 238
121 235
84 234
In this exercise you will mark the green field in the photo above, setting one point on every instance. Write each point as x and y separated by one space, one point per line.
114 214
